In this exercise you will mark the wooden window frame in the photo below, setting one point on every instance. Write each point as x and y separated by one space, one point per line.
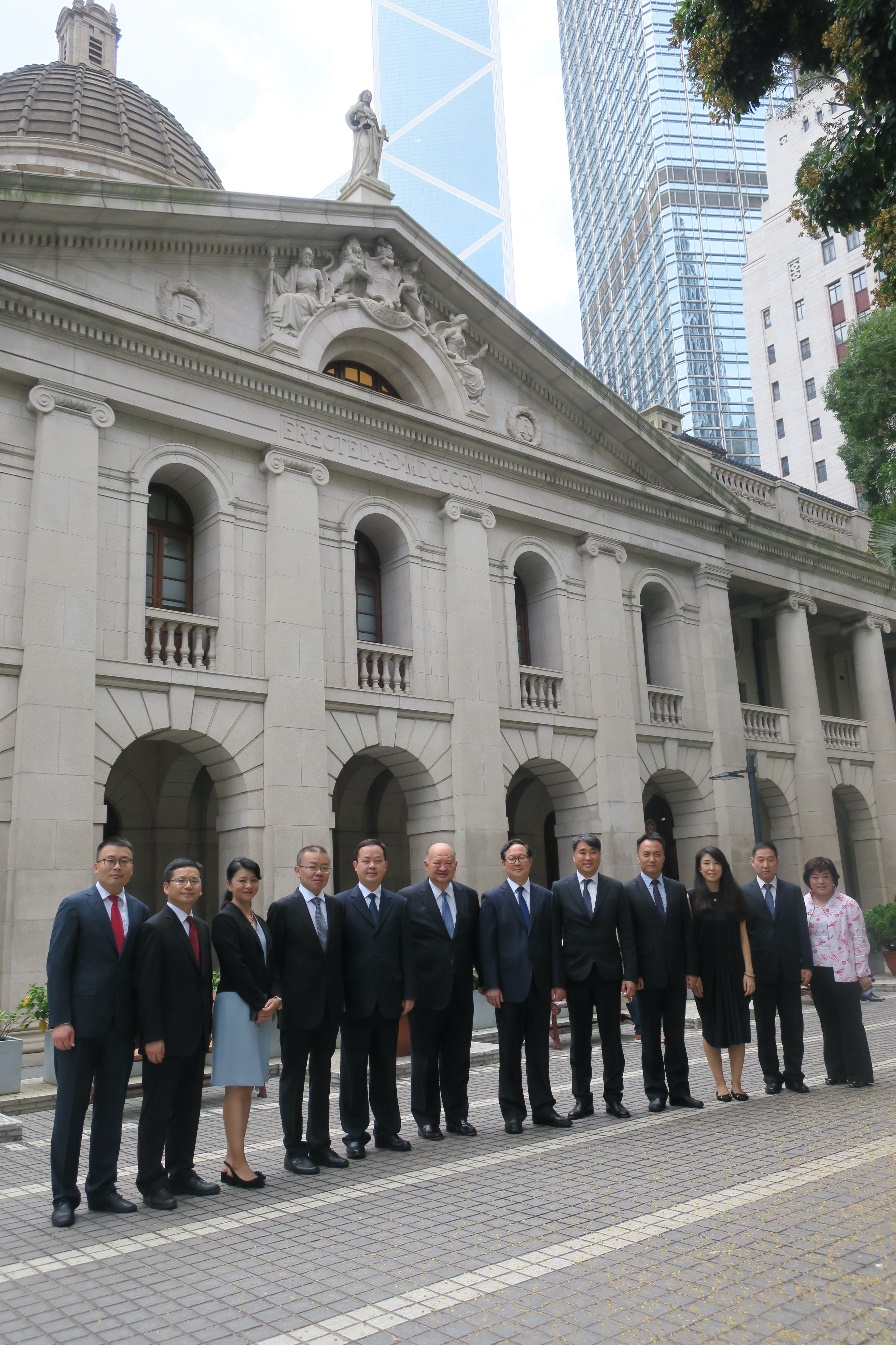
521 608
159 529
363 571
339 369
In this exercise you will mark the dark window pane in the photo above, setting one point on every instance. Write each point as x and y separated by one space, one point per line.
157 504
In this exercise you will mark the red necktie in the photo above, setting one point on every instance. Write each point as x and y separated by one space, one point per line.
117 925
194 936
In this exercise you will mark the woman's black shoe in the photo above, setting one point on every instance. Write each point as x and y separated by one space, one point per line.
229 1178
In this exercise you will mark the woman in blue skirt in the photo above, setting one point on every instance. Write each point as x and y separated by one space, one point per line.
244 1007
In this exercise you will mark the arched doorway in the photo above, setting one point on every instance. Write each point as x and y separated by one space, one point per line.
659 819
859 844
779 825
687 810
547 807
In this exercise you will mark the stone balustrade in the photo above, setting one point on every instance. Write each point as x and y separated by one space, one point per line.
180 639
540 689
665 705
822 514
762 724
749 487
845 735
383 667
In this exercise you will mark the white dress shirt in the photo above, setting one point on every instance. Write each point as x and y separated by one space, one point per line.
182 916
310 898
367 893
121 903
449 896
659 882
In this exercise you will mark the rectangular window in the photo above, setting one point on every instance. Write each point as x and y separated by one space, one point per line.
776 392
805 349
840 332
859 281
810 390
815 430
805 123
819 115
835 293
799 309
860 290
95 50
770 351
766 317
853 240
828 250
780 427
785 466
821 470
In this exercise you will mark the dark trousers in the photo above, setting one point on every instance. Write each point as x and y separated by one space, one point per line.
369 1041
781 997
839 1006
440 1060
104 1063
662 1015
583 998
525 1023
169 1120
298 1048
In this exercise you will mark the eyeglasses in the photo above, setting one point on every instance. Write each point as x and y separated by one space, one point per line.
117 863
315 868
186 882
516 859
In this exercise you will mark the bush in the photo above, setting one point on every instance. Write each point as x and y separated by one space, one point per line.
34 1009
880 922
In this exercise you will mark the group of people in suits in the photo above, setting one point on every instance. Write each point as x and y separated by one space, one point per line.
359 961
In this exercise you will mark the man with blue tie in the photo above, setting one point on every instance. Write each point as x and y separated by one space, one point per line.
782 960
443 923
515 945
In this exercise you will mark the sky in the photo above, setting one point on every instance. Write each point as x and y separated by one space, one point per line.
264 89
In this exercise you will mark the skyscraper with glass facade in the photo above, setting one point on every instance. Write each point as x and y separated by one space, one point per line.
662 202
437 70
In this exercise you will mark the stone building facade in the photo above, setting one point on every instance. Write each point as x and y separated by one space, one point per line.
308 534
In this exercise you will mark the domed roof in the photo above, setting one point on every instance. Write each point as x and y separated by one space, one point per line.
94 120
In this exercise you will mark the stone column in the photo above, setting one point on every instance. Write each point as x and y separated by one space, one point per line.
296 803
480 813
609 659
814 794
734 817
52 819
876 708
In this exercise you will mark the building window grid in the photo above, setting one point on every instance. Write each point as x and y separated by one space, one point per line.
169 551
810 389
815 430
821 471
805 349
766 317
368 591
779 426
776 392
835 292
799 309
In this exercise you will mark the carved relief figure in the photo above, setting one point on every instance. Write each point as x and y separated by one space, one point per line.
370 137
385 274
409 292
350 275
297 296
450 336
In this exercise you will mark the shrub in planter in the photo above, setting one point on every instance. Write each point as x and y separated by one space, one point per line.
880 922
10 1054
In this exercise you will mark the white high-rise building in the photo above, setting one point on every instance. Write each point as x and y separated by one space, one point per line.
800 295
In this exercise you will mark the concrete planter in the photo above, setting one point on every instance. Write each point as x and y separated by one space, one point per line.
483 1013
10 1065
49 1074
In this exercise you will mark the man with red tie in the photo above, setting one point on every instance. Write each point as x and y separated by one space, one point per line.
174 1013
90 985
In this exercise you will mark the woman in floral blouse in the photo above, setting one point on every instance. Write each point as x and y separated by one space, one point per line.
840 972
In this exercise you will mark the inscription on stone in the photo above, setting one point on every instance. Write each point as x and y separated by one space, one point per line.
396 461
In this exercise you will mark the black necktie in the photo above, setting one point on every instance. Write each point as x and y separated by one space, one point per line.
524 909
657 899
373 910
586 893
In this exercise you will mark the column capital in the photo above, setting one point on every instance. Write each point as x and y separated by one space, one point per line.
866 621
455 509
279 460
792 602
45 398
712 576
595 544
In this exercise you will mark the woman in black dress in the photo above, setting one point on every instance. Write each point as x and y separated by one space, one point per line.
725 965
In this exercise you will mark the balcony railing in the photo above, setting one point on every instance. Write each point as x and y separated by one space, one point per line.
765 725
665 705
845 735
383 667
180 639
540 689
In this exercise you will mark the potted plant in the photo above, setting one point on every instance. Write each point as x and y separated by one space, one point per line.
880 922
10 1054
34 1011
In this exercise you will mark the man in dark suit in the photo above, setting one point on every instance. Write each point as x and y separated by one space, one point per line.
306 931
377 962
664 970
90 985
782 961
174 1011
591 926
515 947
443 921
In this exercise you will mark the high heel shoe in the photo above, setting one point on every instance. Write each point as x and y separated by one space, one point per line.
229 1178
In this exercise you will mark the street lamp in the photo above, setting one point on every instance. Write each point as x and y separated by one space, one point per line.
750 772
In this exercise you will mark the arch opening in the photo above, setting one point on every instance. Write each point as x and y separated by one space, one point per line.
660 634
547 808
690 813
389 794
537 607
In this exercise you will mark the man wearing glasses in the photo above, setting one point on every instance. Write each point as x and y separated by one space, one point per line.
90 984
306 932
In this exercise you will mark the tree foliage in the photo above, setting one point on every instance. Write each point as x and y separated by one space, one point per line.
739 50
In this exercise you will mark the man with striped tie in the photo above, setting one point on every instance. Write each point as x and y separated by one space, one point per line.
443 924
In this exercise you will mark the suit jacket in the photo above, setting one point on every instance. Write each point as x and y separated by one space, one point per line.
439 964
376 957
513 956
174 992
665 950
308 979
244 965
90 984
581 942
780 946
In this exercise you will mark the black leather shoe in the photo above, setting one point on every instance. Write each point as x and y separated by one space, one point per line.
195 1186
686 1101
582 1108
860 1083
113 1203
552 1118
63 1215
616 1109
796 1087
328 1158
160 1199
774 1086
835 1083
513 1127
656 1104
461 1128
301 1165
354 1149
393 1142
429 1132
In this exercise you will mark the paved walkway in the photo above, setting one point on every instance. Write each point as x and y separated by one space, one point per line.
775 1219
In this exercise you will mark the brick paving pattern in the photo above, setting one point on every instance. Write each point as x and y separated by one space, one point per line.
771 1220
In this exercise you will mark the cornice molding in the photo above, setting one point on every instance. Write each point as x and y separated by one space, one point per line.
45 398
713 576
